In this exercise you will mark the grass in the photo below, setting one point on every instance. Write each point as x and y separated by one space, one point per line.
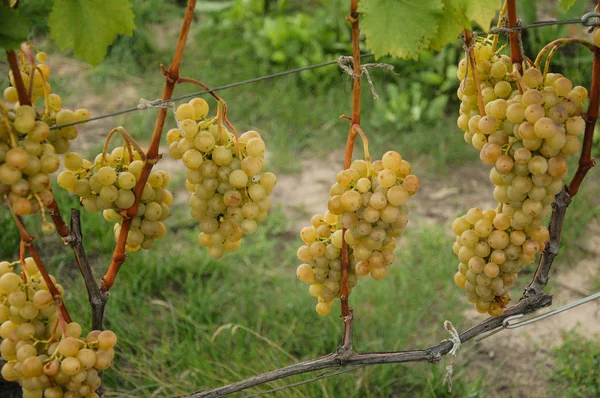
576 372
187 322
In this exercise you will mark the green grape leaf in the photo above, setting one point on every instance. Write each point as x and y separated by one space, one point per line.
566 4
90 26
14 28
482 11
451 24
400 28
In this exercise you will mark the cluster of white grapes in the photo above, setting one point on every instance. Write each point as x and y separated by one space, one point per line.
368 202
530 126
108 185
28 148
230 196
46 358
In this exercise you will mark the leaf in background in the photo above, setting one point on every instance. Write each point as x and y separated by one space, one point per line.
90 26
400 28
482 11
566 4
14 28
451 24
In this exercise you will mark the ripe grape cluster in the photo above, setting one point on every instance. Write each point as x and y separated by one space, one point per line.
46 358
28 148
368 202
230 196
108 186
530 126
54 115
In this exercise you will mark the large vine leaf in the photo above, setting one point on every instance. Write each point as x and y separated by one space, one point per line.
14 28
482 11
404 28
401 28
451 24
89 26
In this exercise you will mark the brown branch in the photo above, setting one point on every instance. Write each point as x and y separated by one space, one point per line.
585 160
27 241
152 156
516 56
97 297
74 238
540 279
347 315
431 354
19 85
59 223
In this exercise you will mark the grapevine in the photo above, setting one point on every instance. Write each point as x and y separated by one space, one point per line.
524 120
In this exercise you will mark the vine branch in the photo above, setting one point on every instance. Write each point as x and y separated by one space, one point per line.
516 56
585 159
27 242
74 238
338 359
19 85
171 76
347 315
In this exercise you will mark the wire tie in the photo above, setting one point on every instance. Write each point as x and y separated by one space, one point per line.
343 62
455 339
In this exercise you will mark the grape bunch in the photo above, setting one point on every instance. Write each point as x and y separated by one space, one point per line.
37 75
26 161
108 186
230 196
491 254
28 148
46 356
530 126
368 202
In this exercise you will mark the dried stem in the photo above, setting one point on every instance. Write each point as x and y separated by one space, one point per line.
468 35
540 279
59 223
347 315
74 238
338 359
19 85
27 241
585 160
516 56
97 297
152 156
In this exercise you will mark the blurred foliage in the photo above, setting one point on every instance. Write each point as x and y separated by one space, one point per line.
281 35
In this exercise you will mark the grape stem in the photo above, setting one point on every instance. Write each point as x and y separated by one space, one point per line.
347 315
24 99
585 159
221 101
560 42
468 37
129 141
171 77
27 242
